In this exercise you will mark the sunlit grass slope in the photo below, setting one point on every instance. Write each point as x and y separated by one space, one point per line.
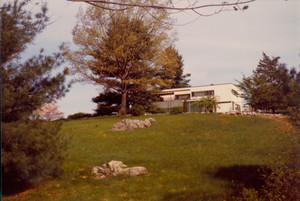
183 153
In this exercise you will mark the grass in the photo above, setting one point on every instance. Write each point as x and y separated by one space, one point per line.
189 157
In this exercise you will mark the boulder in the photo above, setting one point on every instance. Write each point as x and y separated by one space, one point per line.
119 127
135 171
152 120
115 168
128 124
147 123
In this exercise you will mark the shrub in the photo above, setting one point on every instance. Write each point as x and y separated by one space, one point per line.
281 183
79 115
185 106
154 109
26 148
137 110
294 116
206 104
107 110
176 110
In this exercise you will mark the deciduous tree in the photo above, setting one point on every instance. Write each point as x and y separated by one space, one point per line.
121 51
48 112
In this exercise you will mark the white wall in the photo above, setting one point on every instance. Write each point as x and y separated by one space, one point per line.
222 92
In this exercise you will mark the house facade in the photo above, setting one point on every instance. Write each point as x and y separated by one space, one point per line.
225 94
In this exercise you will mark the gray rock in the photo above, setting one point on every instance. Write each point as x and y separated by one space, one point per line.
147 123
152 120
115 168
128 124
135 171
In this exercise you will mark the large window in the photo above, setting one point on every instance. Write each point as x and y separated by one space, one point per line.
203 93
182 97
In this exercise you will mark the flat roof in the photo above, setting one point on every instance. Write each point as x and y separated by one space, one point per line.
187 88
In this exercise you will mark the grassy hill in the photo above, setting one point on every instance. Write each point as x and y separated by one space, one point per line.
189 157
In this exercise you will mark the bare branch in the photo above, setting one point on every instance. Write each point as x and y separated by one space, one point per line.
168 6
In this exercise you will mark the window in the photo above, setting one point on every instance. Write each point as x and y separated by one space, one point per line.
203 93
182 97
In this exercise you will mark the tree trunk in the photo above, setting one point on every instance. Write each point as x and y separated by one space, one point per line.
273 110
123 103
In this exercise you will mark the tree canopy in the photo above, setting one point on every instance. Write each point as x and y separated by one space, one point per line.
122 51
173 60
271 86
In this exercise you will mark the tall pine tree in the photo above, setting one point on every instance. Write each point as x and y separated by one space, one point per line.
31 151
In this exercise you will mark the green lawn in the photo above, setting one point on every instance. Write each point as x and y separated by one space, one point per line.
189 157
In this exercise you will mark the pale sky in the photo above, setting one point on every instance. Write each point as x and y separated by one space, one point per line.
216 49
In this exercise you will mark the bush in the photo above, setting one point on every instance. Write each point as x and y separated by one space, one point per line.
176 110
153 109
103 110
79 115
281 183
137 110
26 148
294 116
185 106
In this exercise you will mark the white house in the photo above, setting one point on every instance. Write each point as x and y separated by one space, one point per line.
225 94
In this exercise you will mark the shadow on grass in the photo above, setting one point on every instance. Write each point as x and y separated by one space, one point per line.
248 176
12 188
238 177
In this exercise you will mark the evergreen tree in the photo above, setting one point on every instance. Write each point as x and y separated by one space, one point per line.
172 59
270 86
180 79
31 151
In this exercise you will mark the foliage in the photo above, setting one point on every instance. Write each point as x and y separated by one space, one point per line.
31 152
48 112
103 110
185 106
282 183
172 59
176 110
206 104
271 87
294 116
19 28
79 115
154 109
27 86
107 103
121 51
177 80
137 110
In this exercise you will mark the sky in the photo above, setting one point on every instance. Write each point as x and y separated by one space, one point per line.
216 49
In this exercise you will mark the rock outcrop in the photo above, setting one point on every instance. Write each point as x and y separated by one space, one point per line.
115 168
128 124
